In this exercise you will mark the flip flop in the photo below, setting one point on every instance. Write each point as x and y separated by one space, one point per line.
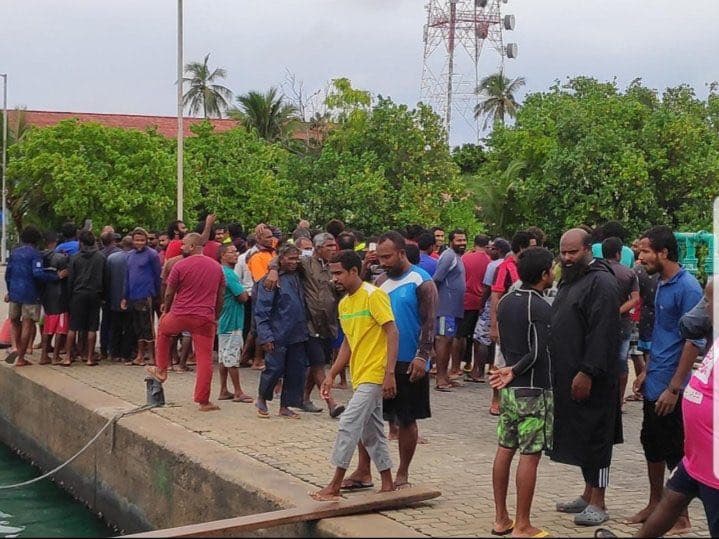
10 358
224 397
474 380
603 532
503 532
541 533
400 486
243 398
355 484
289 415
445 388
92 364
316 496
262 411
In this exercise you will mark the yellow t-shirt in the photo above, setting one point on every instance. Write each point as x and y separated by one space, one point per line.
362 316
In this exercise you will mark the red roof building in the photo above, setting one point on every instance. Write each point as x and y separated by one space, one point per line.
165 125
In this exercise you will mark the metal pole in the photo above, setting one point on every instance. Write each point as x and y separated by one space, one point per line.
3 243
180 132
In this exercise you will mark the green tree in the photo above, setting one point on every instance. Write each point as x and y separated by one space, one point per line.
82 170
241 177
267 113
497 98
204 93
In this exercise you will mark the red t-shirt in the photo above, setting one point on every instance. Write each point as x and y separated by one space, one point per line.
211 248
174 248
196 280
506 275
475 266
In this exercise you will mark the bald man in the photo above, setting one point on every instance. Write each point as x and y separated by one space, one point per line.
585 371
193 302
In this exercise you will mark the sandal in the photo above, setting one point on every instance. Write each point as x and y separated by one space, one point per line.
262 410
503 532
355 484
446 388
289 414
591 516
576 505
243 398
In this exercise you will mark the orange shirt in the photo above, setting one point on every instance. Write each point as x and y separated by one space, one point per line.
259 262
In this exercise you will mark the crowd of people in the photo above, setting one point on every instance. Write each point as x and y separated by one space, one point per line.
551 333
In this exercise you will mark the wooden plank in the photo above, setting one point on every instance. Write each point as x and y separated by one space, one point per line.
312 510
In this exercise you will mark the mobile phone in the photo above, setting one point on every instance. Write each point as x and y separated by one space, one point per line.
87 225
372 246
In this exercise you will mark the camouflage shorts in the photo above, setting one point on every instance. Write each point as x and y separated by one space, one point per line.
526 419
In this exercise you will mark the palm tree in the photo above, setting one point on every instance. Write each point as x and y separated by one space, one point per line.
497 98
204 94
499 204
267 113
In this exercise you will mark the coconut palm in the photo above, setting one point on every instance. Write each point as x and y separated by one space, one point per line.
497 94
268 113
204 94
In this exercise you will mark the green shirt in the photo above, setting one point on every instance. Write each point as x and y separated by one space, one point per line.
232 317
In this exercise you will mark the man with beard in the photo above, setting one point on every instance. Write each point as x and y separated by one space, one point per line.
669 365
451 286
584 345
413 297
177 230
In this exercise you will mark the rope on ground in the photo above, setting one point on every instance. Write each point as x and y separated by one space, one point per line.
109 423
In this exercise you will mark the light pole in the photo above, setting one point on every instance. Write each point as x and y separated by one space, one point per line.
3 243
180 107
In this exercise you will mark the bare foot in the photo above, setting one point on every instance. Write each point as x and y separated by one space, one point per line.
157 374
325 495
682 525
66 362
530 531
641 516
22 363
209 407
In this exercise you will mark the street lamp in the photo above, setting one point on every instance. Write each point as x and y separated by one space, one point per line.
180 107
3 243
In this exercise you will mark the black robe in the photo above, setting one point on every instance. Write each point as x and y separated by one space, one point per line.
585 337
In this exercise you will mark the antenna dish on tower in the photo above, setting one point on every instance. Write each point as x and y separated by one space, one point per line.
512 50
509 22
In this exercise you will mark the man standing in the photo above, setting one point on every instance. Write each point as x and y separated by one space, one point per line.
451 286
193 301
87 284
628 299
505 276
426 249
142 286
413 297
122 338
258 261
483 344
22 276
370 347
55 302
670 363
439 246
525 385
229 328
282 333
321 298
475 267
584 345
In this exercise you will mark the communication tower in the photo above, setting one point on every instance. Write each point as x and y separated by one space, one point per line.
456 34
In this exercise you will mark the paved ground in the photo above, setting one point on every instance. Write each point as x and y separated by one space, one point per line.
457 459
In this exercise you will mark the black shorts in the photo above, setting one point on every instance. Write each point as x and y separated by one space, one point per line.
681 482
466 327
85 311
662 437
319 351
141 317
412 400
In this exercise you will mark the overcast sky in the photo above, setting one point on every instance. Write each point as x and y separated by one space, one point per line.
119 55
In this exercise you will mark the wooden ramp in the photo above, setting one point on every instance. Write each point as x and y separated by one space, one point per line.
312 510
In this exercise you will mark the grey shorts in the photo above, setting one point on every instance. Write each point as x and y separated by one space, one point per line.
21 311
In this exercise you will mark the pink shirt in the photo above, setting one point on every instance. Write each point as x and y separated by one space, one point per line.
196 280
698 410
475 266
